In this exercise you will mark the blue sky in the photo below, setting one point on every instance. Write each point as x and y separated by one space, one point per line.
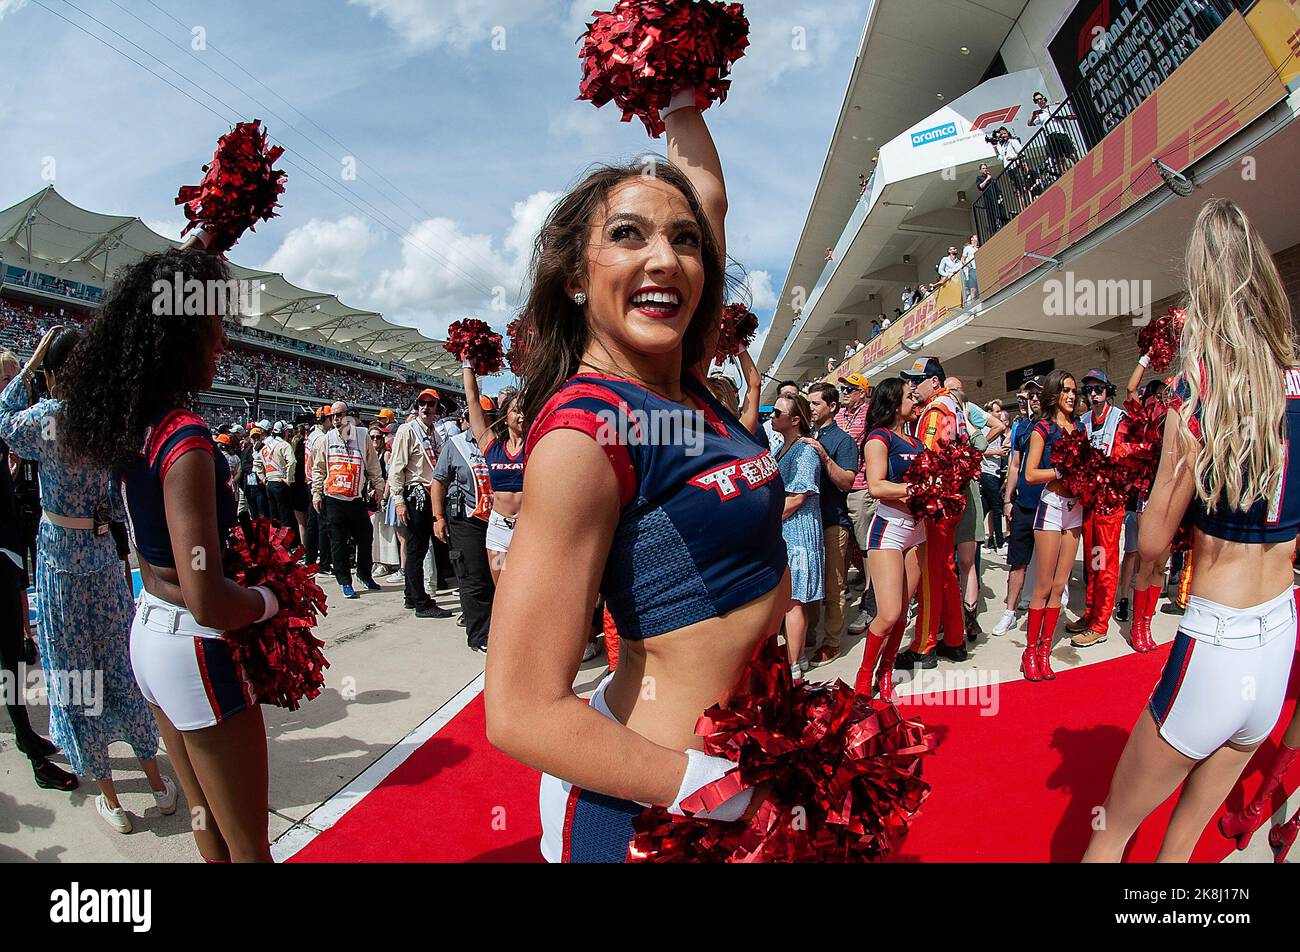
473 142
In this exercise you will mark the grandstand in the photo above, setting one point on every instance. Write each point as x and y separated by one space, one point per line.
305 348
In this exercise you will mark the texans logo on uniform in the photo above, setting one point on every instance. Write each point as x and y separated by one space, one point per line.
752 472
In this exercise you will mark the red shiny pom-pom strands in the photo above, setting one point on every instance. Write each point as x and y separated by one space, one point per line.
643 51
473 340
840 775
939 480
281 658
1160 340
739 325
240 187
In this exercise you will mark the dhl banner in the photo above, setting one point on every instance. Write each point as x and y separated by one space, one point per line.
1277 25
1221 88
920 320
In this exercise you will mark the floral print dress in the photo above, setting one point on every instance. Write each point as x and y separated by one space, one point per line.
85 608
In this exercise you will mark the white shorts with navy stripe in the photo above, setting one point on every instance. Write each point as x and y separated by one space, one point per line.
184 668
1058 513
895 529
1226 676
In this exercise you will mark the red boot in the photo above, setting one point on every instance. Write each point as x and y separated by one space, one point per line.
1139 617
1242 826
885 670
864 683
1282 836
1029 660
1153 599
1050 616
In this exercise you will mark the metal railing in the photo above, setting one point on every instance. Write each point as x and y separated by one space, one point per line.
1069 133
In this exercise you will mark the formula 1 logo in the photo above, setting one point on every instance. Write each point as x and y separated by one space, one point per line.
996 118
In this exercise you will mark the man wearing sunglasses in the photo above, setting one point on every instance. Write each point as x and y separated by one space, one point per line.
416 448
852 419
339 478
1101 531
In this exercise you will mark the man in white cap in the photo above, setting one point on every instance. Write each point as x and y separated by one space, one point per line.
339 477
278 467
416 449
318 540
255 474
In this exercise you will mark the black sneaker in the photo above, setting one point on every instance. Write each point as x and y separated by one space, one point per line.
432 611
907 660
1173 608
1121 610
481 649
951 652
53 777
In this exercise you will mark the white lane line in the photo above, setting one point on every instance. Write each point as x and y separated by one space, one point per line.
333 809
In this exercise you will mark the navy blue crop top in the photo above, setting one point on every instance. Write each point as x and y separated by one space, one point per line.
699 533
172 433
1268 520
902 451
1050 432
505 472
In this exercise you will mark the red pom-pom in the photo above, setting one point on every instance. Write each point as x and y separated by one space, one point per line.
940 478
841 774
520 335
1160 340
280 657
240 188
1138 441
473 340
1099 481
643 51
739 325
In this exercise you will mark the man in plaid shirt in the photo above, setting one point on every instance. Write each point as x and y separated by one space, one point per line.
852 419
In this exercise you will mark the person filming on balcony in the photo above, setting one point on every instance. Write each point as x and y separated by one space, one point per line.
1061 151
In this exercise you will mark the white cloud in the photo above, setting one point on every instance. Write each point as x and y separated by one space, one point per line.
426 24
326 255
448 273
762 296
785 36
11 6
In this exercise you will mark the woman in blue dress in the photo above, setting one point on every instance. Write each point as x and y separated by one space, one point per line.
802 519
85 607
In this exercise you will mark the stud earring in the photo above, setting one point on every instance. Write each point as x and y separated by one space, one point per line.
580 299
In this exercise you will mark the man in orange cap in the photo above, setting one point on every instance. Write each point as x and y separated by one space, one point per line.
416 448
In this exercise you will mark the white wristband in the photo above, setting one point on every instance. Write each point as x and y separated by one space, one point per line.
682 99
1145 360
702 770
466 365
270 604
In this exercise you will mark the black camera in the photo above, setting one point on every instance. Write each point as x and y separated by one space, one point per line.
993 138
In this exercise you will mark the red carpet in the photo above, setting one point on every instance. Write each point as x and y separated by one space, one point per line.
1019 785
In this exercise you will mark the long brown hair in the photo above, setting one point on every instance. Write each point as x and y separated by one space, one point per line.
554 326
1236 341
1049 401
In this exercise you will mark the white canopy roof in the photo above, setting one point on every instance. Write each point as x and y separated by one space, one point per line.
67 241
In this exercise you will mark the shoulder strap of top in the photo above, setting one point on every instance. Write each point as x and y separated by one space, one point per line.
589 406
